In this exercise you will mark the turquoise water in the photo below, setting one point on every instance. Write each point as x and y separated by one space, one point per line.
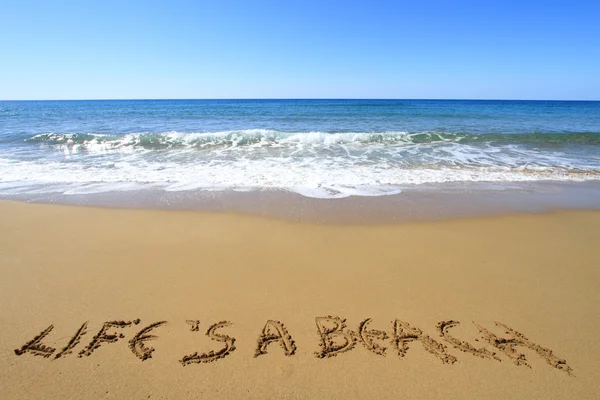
318 148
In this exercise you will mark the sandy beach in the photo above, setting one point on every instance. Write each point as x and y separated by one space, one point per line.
300 200
117 303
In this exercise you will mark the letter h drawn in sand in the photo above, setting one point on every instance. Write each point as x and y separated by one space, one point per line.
507 346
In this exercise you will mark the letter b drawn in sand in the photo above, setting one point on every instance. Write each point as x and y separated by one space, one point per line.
136 344
403 334
211 356
103 337
507 346
36 347
275 331
331 328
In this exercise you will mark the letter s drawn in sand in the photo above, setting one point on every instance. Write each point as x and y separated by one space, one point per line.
211 356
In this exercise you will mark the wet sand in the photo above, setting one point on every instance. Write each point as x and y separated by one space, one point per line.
427 202
63 266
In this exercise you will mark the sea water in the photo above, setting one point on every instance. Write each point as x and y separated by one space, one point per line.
317 148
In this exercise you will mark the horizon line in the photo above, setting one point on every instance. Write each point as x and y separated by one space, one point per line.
300 98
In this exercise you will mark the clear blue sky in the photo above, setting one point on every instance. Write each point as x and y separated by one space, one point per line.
299 49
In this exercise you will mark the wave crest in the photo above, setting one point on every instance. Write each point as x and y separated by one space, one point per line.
273 138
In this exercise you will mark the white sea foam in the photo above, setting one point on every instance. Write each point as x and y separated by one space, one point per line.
314 164
321 178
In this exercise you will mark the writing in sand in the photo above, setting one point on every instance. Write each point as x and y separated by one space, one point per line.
333 335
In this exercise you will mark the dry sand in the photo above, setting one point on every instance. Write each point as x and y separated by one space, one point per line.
61 266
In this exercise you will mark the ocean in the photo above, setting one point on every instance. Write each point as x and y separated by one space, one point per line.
316 148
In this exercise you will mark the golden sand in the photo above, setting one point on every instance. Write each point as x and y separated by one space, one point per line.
296 310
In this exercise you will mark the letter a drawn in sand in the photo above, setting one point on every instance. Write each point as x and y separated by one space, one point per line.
275 331
507 346
35 345
403 334
211 356
136 344
330 328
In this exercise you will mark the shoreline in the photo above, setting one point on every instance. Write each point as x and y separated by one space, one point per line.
449 201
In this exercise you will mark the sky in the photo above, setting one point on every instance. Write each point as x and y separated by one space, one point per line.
525 49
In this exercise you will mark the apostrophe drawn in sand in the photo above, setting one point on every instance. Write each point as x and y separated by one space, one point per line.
275 331
403 334
35 346
212 355
444 326
507 346
330 328
68 349
194 324
103 337
368 337
136 344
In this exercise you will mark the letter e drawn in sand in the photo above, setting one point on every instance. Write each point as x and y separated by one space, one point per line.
136 344
103 337
507 346
331 328
35 345
68 349
444 326
403 334
368 337
211 356
275 331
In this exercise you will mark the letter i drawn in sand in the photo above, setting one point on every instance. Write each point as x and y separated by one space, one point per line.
68 349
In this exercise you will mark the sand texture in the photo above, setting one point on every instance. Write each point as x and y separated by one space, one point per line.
140 304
